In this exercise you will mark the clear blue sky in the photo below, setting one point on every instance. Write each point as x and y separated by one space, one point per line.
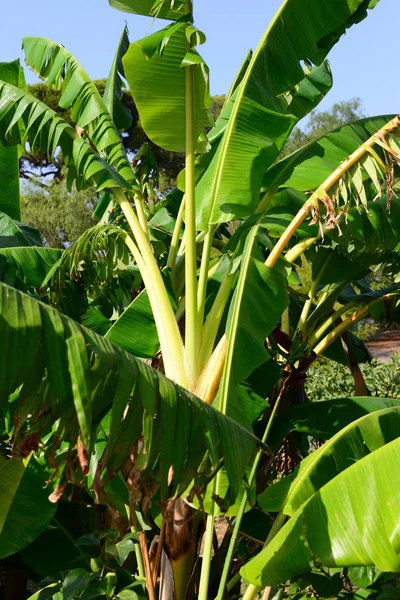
364 63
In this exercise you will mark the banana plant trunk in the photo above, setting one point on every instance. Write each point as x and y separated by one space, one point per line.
182 534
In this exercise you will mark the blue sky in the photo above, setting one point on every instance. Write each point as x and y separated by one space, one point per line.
364 63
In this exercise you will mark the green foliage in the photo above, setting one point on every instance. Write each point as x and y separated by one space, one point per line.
155 69
217 102
115 432
30 121
349 445
9 180
77 396
24 507
366 330
337 533
133 138
107 562
60 215
267 95
58 67
330 380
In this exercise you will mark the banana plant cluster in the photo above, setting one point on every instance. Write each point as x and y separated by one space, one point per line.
154 370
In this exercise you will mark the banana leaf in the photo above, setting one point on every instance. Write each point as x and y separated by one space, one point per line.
324 419
350 521
113 92
307 168
260 120
155 69
46 132
73 378
349 445
24 507
32 264
10 72
56 65
151 8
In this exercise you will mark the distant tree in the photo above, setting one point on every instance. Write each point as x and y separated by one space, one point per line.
321 122
217 104
59 215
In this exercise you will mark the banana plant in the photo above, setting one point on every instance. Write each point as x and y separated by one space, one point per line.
200 299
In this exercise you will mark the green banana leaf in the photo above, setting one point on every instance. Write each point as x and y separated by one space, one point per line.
324 419
135 330
350 521
113 92
32 264
309 92
13 233
25 510
307 168
96 256
183 439
260 298
300 101
53 63
244 407
9 181
151 8
334 266
260 120
155 68
352 443
10 72
336 352
40 557
94 319
46 131
371 231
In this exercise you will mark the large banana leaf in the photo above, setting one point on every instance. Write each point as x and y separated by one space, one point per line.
317 81
13 233
31 264
351 521
164 9
9 181
157 81
73 377
46 131
113 92
324 419
135 330
9 159
309 92
307 168
260 298
24 507
353 443
302 99
58 67
259 123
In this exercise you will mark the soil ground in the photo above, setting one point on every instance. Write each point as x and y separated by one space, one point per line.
384 344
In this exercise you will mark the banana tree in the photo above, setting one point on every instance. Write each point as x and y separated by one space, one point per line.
199 297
